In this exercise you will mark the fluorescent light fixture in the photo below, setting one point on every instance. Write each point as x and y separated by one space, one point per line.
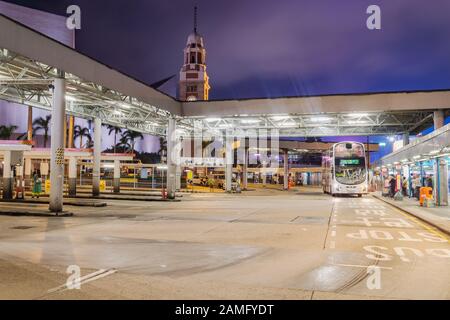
320 119
212 119
382 144
391 139
357 122
405 160
417 157
161 167
357 115
125 105
70 98
279 118
288 124
435 151
250 121
108 165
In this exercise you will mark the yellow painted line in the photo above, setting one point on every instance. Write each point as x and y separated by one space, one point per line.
431 229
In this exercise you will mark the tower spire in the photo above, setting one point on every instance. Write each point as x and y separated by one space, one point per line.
195 19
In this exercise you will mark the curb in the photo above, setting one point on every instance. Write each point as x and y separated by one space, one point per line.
445 231
76 204
129 199
34 214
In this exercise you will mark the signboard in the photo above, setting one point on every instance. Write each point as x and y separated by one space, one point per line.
47 186
202 162
349 162
190 175
102 185
144 173
397 145
44 168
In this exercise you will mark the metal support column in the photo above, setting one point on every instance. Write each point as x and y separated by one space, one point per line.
72 177
97 156
116 180
438 118
7 176
228 161
171 158
441 182
286 170
405 138
178 178
245 170
27 172
57 145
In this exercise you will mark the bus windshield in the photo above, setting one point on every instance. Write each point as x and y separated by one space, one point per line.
350 163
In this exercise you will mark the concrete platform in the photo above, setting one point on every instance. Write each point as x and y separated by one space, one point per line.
438 217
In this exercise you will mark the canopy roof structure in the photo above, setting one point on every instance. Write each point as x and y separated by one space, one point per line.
433 145
29 61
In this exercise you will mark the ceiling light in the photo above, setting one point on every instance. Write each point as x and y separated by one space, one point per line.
250 121
357 115
212 119
357 122
125 105
288 124
320 119
279 118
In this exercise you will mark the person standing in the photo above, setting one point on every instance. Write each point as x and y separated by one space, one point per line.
37 184
392 185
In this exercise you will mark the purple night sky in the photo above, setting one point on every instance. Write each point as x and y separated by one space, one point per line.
268 48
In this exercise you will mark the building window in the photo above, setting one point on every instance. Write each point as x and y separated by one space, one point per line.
191 89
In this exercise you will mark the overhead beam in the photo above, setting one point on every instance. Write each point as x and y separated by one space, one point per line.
371 102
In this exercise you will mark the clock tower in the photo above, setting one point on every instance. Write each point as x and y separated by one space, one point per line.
194 81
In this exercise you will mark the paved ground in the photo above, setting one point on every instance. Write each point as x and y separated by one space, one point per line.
263 244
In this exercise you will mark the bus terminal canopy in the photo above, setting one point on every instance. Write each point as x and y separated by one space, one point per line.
431 146
29 61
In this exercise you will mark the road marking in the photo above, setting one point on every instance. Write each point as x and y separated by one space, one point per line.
358 266
85 279
333 233
332 244
420 223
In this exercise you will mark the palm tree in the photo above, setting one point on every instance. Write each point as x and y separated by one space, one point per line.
129 138
79 132
116 131
7 131
42 124
124 144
